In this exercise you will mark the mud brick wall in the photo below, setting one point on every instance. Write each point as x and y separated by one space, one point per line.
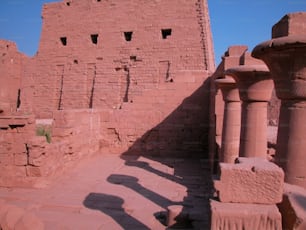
139 60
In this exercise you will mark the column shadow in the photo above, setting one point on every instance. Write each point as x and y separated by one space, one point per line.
132 183
180 142
112 206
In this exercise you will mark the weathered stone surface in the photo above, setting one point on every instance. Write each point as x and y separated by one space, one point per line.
292 207
108 84
285 57
229 216
232 57
255 88
251 180
29 221
238 56
12 216
290 24
231 120
15 218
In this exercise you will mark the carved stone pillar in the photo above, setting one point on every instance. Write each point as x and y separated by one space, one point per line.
231 120
255 88
285 55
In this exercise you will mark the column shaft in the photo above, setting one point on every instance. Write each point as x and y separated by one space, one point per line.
231 132
253 139
291 141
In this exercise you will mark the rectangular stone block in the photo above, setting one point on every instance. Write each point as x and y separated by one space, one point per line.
20 159
228 216
290 24
250 180
236 50
292 207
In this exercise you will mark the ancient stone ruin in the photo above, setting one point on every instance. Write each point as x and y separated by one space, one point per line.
122 121
106 84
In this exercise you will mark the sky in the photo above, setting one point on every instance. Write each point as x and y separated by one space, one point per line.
233 22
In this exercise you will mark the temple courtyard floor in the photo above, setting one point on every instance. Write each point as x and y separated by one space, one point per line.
121 192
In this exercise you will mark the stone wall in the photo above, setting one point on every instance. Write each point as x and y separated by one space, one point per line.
12 65
126 77
135 61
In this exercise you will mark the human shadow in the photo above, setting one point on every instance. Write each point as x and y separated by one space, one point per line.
112 206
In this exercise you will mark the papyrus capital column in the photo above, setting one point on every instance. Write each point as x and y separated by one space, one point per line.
231 120
285 55
255 89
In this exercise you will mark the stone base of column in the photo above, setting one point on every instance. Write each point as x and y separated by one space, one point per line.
227 216
292 207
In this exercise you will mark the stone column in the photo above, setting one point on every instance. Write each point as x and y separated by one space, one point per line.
231 120
255 89
285 55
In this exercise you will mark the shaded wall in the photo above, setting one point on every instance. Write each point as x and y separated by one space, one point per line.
135 61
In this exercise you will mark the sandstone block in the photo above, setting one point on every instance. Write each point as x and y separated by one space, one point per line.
20 159
250 180
33 171
290 24
292 207
237 50
229 216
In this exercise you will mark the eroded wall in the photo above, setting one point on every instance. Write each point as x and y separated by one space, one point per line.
135 61
125 77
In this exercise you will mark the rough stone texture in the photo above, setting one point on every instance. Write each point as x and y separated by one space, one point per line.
250 180
231 120
112 192
285 57
292 207
129 78
234 56
255 88
12 65
290 24
229 216
130 81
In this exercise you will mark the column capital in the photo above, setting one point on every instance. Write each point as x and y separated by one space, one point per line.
254 82
285 55
229 89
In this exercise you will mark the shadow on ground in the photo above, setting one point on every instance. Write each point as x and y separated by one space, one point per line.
179 142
